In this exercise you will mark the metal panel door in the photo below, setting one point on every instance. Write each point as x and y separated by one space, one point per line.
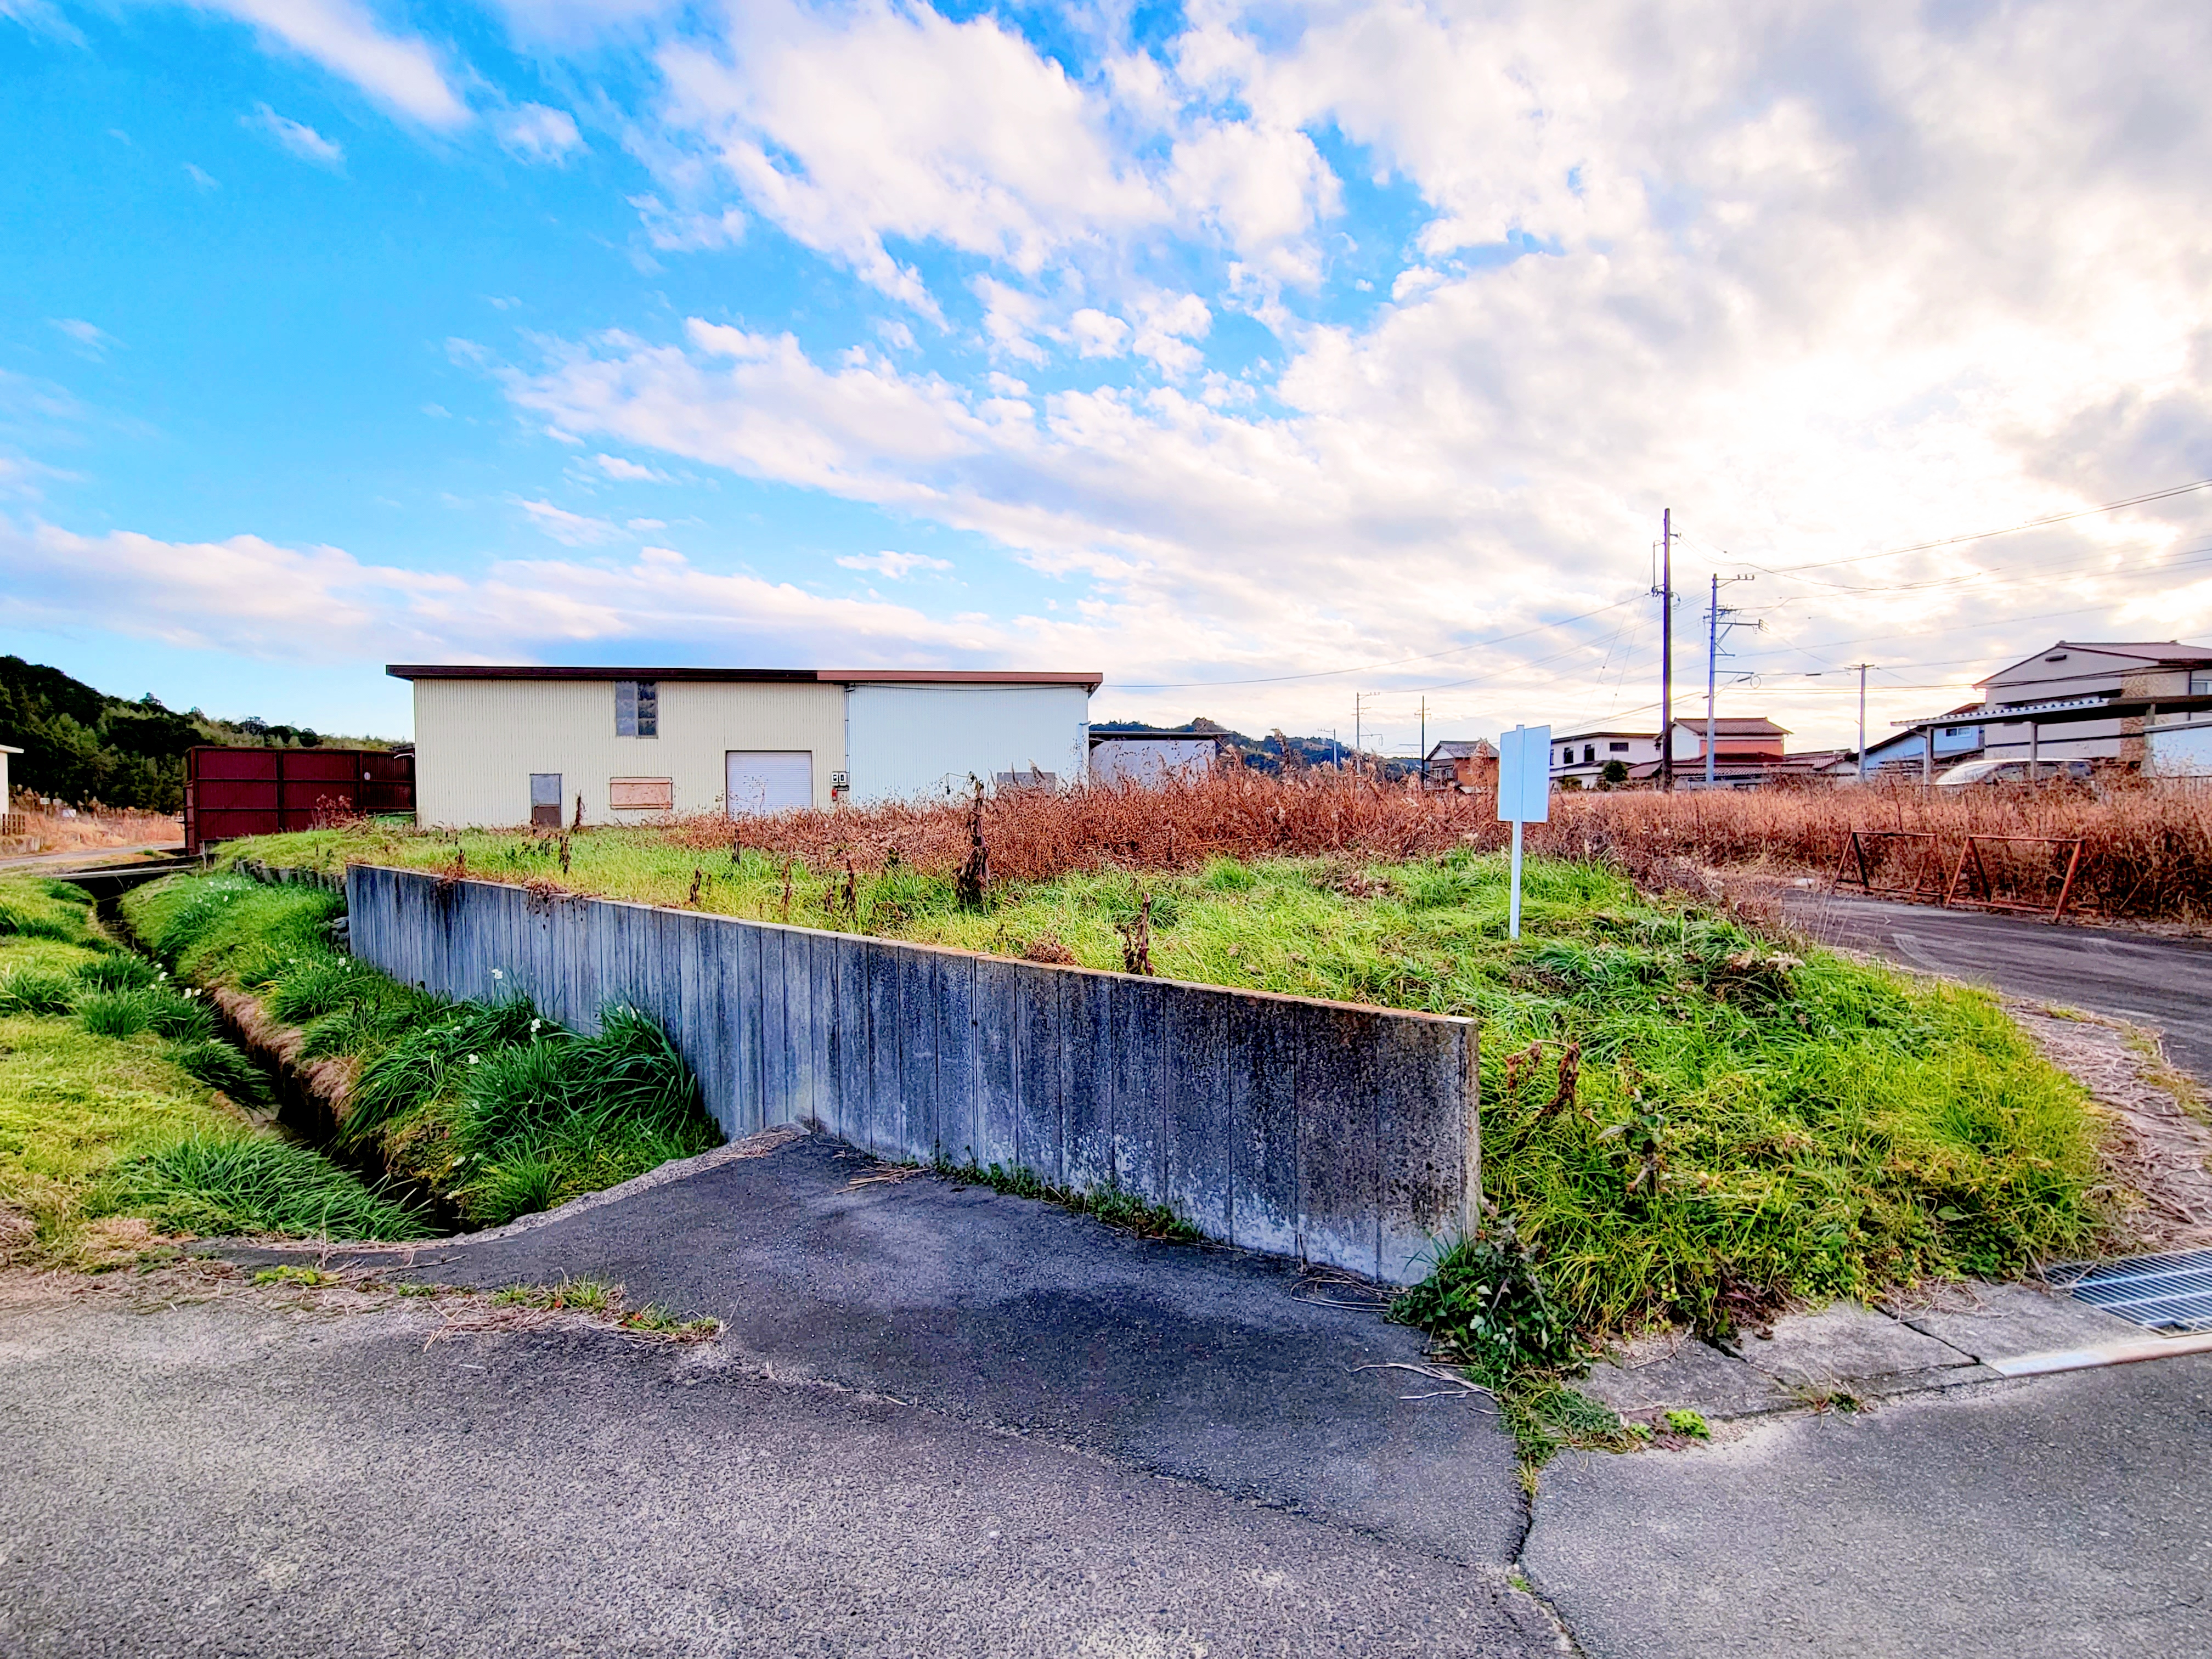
768 779
546 800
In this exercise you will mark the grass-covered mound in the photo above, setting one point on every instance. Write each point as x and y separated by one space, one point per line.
492 1106
118 1098
1688 1122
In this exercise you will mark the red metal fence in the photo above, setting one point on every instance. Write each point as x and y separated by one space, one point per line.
230 793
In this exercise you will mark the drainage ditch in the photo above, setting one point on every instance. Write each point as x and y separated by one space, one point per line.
308 1094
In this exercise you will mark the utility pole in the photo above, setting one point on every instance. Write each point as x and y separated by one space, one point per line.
1862 667
1424 746
1713 628
1355 734
1666 592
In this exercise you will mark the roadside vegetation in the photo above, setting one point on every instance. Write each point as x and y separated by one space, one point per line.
491 1107
1689 1123
122 1109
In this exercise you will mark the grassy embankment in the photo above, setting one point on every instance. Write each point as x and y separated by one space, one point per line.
1688 1124
491 1106
119 1100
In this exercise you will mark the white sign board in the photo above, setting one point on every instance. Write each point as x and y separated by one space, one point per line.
1525 776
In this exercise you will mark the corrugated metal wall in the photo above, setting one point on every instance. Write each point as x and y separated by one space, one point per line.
1347 1135
911 740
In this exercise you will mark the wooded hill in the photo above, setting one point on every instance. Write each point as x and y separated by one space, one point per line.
1268 753
82 746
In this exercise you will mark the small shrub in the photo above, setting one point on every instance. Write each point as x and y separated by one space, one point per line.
214 1184
1485 1302
121 970
1692 1423
220 1066
37 991
116 1013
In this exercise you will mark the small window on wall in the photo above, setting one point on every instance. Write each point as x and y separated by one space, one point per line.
546 800
637 709
642 794
1616 748
2200 683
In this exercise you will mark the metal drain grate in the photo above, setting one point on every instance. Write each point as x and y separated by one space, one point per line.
2164 1292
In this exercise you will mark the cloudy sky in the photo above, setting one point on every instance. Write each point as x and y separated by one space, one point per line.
1262 357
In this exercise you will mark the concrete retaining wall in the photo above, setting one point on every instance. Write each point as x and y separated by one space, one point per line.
1344 1134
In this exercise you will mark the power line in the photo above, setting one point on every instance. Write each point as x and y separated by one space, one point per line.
1985 535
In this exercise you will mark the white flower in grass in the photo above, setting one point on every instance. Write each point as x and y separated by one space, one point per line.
473 1059
496 974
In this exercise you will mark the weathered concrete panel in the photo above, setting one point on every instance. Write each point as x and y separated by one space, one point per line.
957 1135
1262 1055
998 1072
1038 1115
885 1116
1136 1070
916 1134
1348 1134
1086 1066
1339 1186
1198 1159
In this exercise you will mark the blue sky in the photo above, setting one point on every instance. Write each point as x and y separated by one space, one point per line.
1262 357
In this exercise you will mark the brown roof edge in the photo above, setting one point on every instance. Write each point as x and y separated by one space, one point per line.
1090 680
403 671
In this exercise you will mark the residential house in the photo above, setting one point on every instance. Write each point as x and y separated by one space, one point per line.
1584 755
2073 669
1461 764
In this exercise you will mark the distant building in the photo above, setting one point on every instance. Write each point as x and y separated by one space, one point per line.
1582 756
618 746
1148 759
2072 669
1460 762
1908 751
6 750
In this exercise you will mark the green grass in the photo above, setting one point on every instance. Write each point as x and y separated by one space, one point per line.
109 1106
1688 1123
491 1106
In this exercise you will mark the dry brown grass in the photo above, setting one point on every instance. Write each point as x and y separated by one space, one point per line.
2147 851
45 830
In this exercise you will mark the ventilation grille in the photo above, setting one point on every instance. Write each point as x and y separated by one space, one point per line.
2164 1292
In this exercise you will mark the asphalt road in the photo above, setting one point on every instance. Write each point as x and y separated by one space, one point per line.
230 1479
2067 1515
2161 983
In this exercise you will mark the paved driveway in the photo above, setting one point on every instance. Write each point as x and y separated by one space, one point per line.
225 1479
2166 984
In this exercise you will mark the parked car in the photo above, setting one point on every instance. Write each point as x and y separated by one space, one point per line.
2010 771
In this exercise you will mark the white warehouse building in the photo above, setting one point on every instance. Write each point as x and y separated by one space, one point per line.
616 745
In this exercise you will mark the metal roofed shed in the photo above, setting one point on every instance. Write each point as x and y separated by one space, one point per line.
500 744
1147 759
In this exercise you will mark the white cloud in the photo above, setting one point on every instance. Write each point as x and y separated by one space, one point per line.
896 566
673 230
532 132
302 140
260 600
882 122
89 337
1097 335
400 72
205 180
629 472
571 529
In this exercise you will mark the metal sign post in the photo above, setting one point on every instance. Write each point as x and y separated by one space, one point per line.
1524 795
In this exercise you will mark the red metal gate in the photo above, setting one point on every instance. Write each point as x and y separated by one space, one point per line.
230 793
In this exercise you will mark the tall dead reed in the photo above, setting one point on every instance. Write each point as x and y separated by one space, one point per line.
2147 849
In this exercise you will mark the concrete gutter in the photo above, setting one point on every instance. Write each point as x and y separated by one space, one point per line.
2109 1354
